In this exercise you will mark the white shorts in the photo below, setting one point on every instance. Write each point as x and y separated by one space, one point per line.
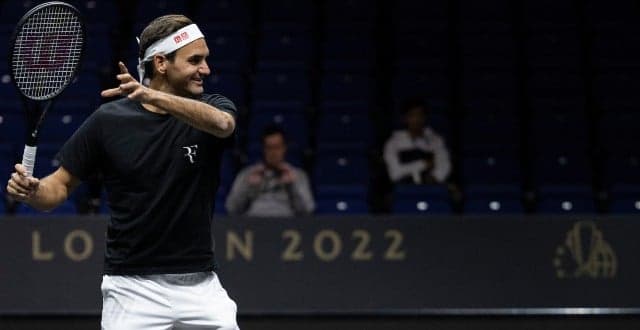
167 301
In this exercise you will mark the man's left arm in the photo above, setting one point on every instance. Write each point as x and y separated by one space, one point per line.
198 114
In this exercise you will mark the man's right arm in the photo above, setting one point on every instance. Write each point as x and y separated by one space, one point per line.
45 194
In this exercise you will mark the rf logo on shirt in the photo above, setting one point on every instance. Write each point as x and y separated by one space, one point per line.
191 153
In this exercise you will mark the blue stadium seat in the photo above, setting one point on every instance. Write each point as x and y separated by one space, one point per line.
216 12
493 199
147 10
554 83
483 84
433 86
490 130
282 86
559 199
348 51
12 128
341 165
229 50
543 12
46 162
416 199
616 129
294 123
555 47
58 127
559 130
622 168
284 50
341 199
8 157
339 11
287 10
491 167
427 43
347 86
227 170
562 167
625 199
346 127
415 12
493 10
230 85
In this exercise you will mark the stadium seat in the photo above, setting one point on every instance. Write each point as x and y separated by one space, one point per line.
229 50
281 86
231 85
341 165
559 199
491 167
625 199
58 127
296 126
341 199
333 128
217 12
12 128
493 199
147 10
562 166
346 86
416 199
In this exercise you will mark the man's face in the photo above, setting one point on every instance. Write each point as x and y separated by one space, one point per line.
186 73
274 149
415 118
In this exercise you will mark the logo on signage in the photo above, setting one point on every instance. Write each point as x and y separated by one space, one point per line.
585 254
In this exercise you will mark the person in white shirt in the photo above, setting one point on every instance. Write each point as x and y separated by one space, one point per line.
416 154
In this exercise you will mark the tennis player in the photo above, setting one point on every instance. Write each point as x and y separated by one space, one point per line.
158 149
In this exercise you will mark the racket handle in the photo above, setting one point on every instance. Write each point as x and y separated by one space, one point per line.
29 159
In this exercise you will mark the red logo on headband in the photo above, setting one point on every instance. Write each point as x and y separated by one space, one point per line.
180 38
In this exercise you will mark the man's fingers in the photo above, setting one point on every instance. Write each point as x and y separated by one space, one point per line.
124 77
20 169
110 92
123 68
14 187
21 180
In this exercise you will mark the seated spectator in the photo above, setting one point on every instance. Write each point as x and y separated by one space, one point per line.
272 187
416 154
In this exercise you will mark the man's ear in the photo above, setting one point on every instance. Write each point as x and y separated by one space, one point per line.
160 63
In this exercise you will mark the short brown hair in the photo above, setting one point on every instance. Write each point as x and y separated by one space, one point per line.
156 30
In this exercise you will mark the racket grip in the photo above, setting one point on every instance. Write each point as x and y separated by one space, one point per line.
29 159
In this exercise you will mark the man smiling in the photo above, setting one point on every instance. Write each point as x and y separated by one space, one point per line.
159 151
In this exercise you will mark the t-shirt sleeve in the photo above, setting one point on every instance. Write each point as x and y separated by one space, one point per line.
221 103
80 154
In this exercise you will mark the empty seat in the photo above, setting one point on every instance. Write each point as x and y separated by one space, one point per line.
341 199
341 165
416 199
559 199
490 199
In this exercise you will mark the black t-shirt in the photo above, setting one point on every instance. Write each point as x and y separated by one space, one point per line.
161 176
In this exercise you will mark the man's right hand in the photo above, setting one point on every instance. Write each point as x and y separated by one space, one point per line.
20 186
256 175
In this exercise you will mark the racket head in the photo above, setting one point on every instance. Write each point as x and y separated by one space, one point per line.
46 50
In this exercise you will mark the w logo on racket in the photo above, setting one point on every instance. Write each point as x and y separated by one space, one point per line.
191 153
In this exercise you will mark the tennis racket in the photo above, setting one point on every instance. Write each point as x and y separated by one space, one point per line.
44 57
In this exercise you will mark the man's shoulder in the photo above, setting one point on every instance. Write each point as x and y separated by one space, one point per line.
114 108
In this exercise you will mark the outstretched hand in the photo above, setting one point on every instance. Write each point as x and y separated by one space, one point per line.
129 87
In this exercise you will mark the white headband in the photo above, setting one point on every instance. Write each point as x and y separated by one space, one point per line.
169 44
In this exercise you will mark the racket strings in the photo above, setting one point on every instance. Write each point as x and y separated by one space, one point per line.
47 52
